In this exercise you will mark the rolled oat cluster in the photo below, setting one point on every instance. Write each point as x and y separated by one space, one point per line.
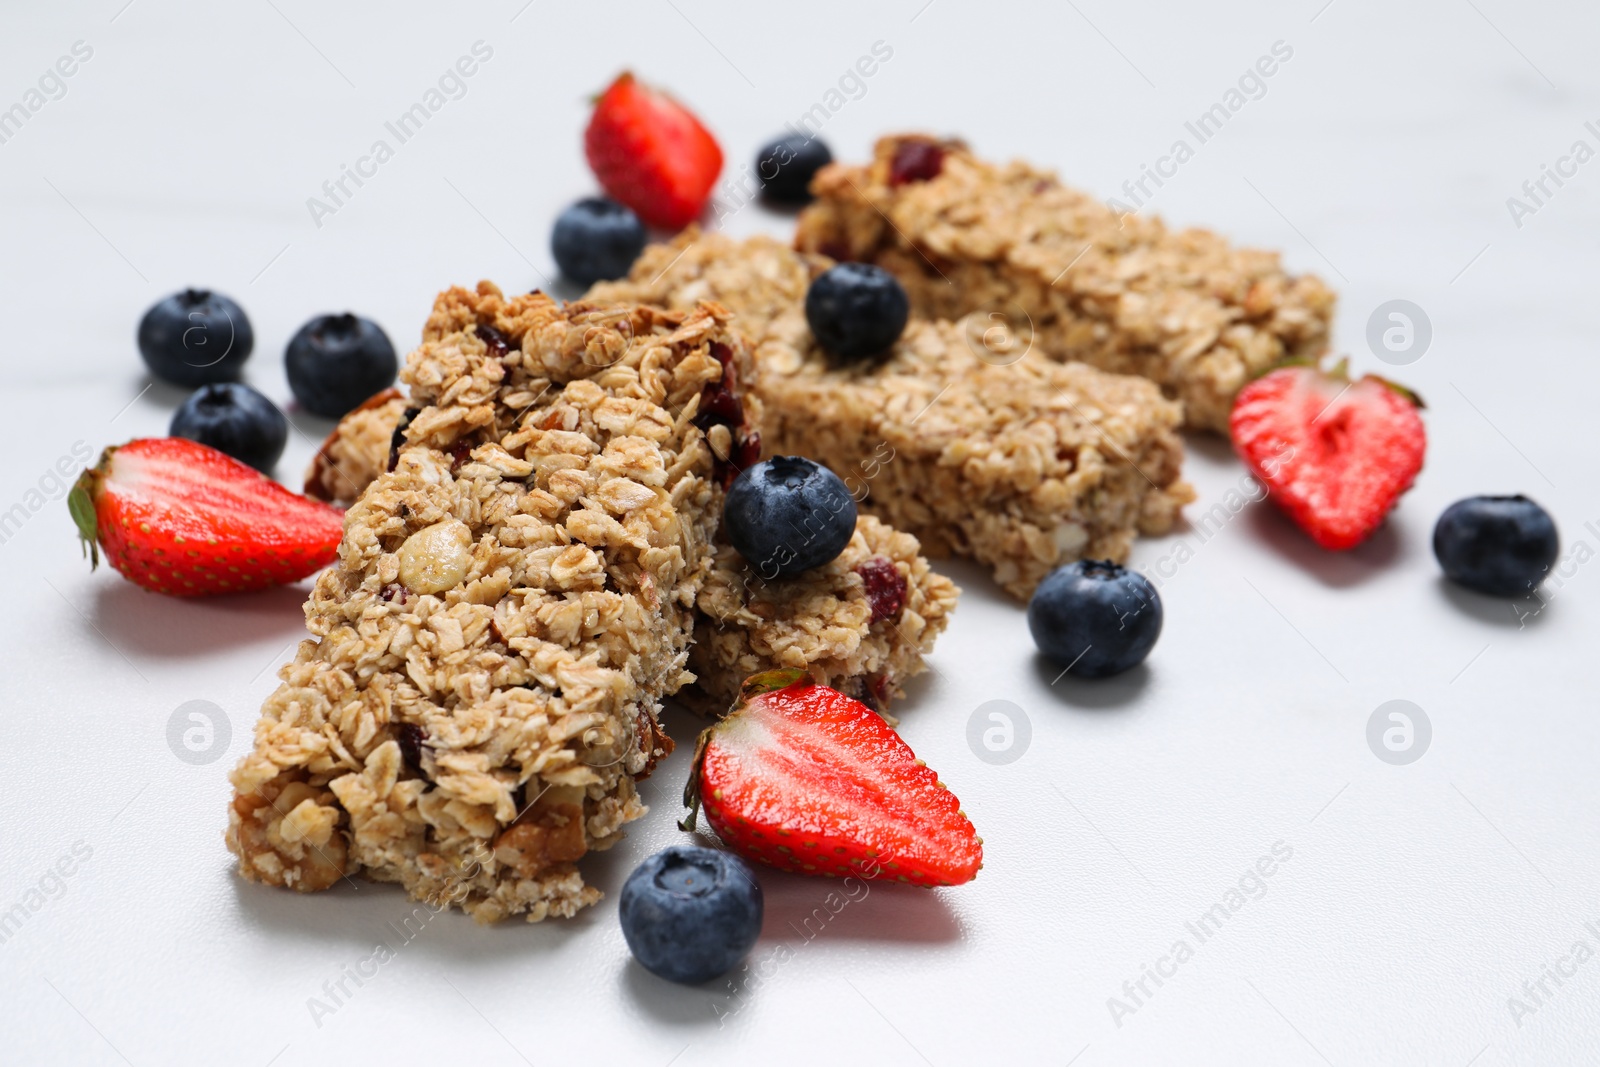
513 599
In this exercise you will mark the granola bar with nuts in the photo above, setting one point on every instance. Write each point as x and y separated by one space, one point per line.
1186 308
978 448
861 624
511 602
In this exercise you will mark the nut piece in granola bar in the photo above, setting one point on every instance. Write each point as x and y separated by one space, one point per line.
512 601
1185 309
1020 463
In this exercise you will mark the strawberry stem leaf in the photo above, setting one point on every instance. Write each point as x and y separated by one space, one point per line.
80 502
1404 391
691 789
767 682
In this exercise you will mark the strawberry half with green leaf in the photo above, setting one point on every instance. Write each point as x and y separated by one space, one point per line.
1335 454
803 778
651 154
178 517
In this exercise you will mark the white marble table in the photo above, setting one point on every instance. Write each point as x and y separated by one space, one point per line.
1407 905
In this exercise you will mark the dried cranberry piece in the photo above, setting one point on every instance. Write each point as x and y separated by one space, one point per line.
411 737
836 250
460 452
747 450
398 438
719 400
881 687
915 161
391 592
720 406
886 589
499 347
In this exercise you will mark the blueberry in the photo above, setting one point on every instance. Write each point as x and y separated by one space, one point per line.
1095 618
856 309
788 514
786 166
1500 545
195 337
337 361
234 419
689 914
596 240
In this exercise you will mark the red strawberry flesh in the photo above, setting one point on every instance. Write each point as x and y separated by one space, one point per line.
805 779
177 517
1335 455
650 153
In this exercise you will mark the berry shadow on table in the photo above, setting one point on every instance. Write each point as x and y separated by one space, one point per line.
684 1008
162 395
138 621
802 915
1115 693
1508 613
1374 557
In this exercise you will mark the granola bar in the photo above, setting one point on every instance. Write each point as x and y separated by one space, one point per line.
1007 458
861 624
512 601
1185 309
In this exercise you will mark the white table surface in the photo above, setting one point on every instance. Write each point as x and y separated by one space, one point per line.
1418 898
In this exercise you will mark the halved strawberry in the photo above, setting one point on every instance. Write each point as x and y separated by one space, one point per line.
651 154
178 517
803 778
1335 454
